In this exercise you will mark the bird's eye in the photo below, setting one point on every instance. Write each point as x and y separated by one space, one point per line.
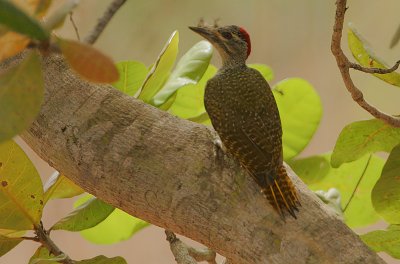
226 35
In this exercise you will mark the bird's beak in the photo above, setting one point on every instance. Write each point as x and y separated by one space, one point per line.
205 32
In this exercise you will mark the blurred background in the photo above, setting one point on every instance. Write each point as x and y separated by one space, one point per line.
292 37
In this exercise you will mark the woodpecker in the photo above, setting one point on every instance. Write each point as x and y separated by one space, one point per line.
243 111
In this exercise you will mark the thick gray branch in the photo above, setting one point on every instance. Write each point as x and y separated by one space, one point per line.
168 172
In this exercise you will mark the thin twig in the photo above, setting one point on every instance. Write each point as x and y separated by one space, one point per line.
344 66
31 238
374 70
185 254
74 25
358 183
44 238
103 21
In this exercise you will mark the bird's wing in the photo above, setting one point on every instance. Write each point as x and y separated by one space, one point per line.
264 161
265 148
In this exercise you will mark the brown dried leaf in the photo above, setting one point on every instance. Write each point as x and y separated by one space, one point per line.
88 62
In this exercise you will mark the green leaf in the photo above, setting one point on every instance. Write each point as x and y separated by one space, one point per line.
364 137
202 118
300 110
384 241
3 30
364 55
167 104
21 95
312 169
19 21
58 186
103 260
12 233
43 256
189 70
161 69
21 191
360 211
88 215
87 61
8 243
265 71
189 102
117 227
131 76
386 192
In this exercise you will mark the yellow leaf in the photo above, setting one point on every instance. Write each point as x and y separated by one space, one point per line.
88 62
58 186
21 190
364 55
161 69
41 7
12 43
8 243
37 8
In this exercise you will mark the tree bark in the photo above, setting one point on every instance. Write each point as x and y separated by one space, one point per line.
167 171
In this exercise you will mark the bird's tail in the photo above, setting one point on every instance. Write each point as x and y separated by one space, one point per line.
282 194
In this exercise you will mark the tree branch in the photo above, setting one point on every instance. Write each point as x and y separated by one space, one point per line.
168 172
103 21
344 66
43 237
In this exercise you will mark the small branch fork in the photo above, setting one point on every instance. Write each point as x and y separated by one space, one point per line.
103 21
42 237
185 254
344 66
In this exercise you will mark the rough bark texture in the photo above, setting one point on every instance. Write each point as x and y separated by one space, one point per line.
168 172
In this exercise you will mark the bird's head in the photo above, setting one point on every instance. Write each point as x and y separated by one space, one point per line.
232 42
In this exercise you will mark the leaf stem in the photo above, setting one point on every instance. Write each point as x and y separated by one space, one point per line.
358 183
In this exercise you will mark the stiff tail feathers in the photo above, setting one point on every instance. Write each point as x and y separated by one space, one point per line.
282 194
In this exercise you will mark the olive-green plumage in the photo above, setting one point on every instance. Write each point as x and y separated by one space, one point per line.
243 111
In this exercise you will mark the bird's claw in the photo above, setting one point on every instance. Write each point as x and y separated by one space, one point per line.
218 143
